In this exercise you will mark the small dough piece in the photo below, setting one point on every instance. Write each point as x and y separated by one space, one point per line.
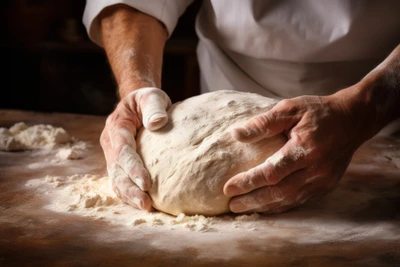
192 157
22 137
68 153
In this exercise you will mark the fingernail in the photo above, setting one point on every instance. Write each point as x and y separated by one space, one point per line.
232 190
243 131
139 182
138 202
237 206
156 117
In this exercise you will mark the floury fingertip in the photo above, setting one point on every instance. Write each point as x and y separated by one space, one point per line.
232 190
240 133
138 202
139 182
156 117
156 121
237 206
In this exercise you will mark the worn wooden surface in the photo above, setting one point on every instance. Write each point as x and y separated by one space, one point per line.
31 235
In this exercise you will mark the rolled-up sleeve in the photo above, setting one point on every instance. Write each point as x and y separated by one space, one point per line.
166 11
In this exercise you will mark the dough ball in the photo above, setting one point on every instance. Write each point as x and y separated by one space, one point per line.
192 157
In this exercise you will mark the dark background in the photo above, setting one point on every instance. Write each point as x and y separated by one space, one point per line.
49 63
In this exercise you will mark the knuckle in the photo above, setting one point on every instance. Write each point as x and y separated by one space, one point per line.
259 201
249 178
310 141
110 119
270 175
255 201
284 105
302 145
296 138
287 107
133 191
261 122
273 113
297 153
277 193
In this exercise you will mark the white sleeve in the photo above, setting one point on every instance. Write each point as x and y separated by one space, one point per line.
166 11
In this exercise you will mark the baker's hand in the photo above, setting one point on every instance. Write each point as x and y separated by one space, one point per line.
130 179
321 141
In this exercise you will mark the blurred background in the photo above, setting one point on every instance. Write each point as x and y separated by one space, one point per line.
49 63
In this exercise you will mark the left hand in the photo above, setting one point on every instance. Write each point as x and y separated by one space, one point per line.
129 178
322 138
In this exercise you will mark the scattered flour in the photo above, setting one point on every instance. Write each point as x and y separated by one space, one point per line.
91 196
44 138
244 218
332 218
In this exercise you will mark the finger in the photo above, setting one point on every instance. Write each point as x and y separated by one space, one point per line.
304 194
115 135
128 191
271 123
287 160
132 165
123 152
106 146
285 191
153 104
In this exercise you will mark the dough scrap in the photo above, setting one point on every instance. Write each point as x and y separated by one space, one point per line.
192 157
22 137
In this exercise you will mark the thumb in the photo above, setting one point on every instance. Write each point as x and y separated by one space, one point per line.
271 123
153 104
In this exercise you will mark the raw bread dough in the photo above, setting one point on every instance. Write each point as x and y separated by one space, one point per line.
22 137
192 157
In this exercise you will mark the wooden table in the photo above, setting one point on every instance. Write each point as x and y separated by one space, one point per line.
358 224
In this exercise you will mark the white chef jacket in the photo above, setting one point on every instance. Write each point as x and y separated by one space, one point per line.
281 48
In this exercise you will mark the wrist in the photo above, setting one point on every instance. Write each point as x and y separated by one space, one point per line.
359 113
363 103
134 44
370 104
129 86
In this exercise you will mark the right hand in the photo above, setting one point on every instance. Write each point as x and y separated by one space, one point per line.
130 179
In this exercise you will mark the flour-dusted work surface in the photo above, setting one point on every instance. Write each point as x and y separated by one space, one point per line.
57 210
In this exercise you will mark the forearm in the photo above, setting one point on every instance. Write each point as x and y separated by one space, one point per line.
134 44
375 100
